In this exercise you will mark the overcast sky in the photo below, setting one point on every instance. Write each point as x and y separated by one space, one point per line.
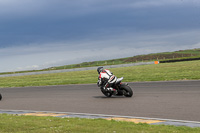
37 34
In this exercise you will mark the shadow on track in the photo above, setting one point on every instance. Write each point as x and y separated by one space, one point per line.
109 97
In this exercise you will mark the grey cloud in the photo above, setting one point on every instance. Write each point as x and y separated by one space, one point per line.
26 8
47 31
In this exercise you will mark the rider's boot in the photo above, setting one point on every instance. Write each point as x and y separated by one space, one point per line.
109 89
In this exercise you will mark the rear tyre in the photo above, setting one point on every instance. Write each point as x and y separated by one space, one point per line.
127 91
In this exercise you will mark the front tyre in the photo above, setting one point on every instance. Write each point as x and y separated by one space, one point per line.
0 96
127 91
106 93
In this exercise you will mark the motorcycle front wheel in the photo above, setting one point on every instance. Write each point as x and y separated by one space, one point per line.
107 94
0 96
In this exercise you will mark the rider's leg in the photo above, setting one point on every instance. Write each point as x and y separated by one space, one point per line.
108 87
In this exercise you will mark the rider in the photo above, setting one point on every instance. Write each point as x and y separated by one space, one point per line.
106 79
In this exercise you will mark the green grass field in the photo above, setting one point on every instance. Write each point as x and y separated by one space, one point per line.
32 124
162 72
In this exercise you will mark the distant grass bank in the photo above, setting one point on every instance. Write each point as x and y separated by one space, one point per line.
189 54
32 124
189 70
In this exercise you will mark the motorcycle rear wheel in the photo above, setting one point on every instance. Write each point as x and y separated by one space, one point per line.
128 91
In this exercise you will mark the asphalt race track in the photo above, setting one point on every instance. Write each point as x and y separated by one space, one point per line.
167 100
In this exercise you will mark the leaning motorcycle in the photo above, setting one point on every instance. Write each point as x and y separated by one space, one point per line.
119 89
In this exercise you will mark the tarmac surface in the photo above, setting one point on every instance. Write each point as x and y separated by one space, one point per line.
174 100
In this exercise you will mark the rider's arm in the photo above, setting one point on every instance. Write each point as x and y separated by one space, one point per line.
99 81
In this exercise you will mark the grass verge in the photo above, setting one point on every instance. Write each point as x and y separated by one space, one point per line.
168 71
32 124
189 70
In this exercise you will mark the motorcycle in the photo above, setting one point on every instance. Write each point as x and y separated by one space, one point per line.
119 89
0 96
